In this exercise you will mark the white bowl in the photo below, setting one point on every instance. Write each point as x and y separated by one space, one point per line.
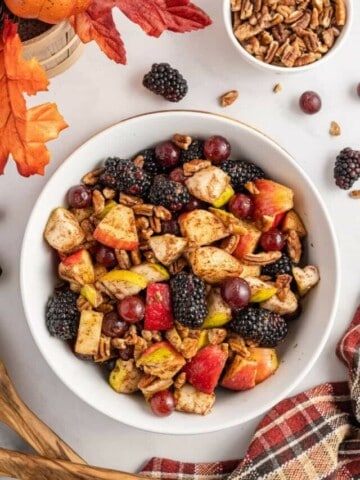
244 54
307 335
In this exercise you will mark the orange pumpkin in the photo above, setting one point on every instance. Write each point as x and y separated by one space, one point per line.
49 11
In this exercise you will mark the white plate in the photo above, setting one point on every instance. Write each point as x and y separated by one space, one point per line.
307 335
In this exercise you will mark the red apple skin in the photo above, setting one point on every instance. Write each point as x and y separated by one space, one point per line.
113 242
74 258
240 374
204 369
266 360
246 244
158 310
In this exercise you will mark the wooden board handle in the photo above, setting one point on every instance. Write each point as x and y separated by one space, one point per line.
29 467
36 433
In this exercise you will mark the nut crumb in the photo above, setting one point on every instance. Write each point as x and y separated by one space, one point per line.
228 98
355 194
335 129
277 88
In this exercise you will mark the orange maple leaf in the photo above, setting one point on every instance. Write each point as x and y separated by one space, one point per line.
23 132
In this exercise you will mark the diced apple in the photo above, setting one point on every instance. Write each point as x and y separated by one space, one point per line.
167 248
153 272
247 243
77 268
271 198
237 226
292 221
190 400
306 278
208 184
63 231
201 227
117 229
123 283
125 376
266 362
161 359
219 312
260 290
282 306
240 374
204 369
250 270
92 295
89 332
158 309
213 265
224 197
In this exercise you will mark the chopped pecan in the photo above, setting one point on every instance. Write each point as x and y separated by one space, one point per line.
216 335
340 13
162 212
182 141
277 88
246 9
145 209
294 247
236 5
237 344
335 129
109 193
194 166
122 258
180 380
104 350
139 161
92 177
229 98
270 54
149 385
98 201
135 256
178 265
129 200
282 284
355 194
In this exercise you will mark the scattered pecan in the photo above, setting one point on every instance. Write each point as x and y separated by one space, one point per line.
335 129
229 98
294 247
92 177
355 194
194 166
262 258
182 141
129 200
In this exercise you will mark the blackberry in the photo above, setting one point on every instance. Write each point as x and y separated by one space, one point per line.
166 81
260 325
281 266
195 150
62 315
109 176
347 168
188 299
151 165
241 172
171 195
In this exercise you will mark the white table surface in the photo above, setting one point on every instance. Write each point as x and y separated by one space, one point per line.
95 93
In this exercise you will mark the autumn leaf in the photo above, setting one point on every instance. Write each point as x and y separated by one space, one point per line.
96 23
153 16
23 131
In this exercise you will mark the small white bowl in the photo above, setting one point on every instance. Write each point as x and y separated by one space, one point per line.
227 15
307 335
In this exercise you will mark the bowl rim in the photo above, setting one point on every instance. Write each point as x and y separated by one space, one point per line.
226 13
161 427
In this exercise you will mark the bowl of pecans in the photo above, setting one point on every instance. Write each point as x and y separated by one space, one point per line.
286 36
171 269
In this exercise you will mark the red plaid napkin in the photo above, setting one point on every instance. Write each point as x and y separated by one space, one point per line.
313 435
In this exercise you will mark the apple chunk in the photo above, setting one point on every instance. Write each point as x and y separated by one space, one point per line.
271 198
77 268
62 230
240 374
266 362
213 264
201 227
117 229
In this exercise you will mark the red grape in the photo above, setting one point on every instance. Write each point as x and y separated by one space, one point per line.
131 309
272 240
194 204
113 326
217 149
170 226
167 154
236 292
177 175
310 102
162 403
106 256
79 196
126 353
241 205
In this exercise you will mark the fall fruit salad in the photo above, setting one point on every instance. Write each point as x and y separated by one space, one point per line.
180 271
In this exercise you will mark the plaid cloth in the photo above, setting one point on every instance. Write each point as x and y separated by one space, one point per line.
312 435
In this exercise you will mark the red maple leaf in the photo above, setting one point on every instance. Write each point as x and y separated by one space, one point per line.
153 16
